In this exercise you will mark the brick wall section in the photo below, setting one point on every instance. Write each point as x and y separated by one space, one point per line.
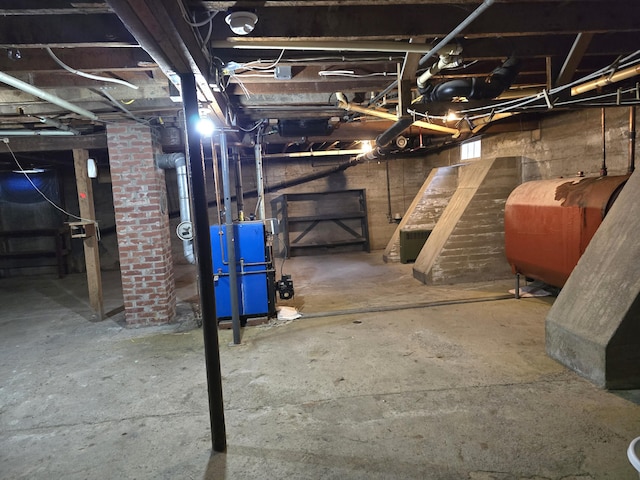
142 225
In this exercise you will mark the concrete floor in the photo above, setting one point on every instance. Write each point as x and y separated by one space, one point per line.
382 378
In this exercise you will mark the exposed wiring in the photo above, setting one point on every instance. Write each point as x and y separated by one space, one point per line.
88 75
245 90
118 104
248 75
51 202
274 64
351 73
203 22
335 58
258 123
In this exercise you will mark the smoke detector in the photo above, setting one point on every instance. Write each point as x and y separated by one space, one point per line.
241 23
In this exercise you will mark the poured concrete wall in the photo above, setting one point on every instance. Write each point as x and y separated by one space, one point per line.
426 208
594 325
467 243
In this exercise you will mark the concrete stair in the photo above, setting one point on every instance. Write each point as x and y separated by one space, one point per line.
467 242
426 208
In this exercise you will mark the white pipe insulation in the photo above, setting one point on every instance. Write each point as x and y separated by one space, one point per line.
179 162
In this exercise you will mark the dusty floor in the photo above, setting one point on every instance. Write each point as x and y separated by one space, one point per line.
382 378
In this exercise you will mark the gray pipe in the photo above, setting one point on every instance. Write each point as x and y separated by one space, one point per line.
257 150
231 250
178 161
475 14
47 97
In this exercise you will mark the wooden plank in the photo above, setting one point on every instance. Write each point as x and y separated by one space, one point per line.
87 211
51 144
574 58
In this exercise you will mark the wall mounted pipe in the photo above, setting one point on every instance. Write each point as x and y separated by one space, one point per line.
257 150
632 140
46 96
239 190
178 161
603 126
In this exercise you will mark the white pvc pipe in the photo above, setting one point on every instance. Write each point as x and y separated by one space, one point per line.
47 97
32 133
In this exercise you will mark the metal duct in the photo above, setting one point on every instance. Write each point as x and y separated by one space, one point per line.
178 161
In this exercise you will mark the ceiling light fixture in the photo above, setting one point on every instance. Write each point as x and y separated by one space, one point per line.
205 127
241 23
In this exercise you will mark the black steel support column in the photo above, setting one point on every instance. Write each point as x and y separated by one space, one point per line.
196 171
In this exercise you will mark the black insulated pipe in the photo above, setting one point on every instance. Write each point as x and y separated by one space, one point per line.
388 136
473 88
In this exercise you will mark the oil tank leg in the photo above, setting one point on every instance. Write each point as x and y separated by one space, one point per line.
517 286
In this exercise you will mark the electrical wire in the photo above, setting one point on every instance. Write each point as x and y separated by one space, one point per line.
51 202
203 22
274 64
88 75
257 124
352 74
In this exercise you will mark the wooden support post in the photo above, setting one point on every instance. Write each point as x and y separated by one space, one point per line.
87 212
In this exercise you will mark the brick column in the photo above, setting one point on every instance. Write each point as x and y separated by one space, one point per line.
142 224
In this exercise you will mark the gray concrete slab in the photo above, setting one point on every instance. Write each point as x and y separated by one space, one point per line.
459 390
600 338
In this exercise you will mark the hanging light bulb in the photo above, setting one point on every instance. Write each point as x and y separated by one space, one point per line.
205 126
366 146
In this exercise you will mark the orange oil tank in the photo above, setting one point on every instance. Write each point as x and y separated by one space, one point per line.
549 223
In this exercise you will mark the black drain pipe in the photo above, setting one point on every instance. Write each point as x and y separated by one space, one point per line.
471 88
474 88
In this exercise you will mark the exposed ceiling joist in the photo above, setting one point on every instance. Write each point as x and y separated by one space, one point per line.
573 59
160 28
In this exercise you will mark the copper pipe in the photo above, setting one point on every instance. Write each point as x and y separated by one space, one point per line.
632 140
603 168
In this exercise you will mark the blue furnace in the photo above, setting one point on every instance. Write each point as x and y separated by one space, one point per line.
256 285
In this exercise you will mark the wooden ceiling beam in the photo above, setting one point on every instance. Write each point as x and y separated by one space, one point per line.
391 20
